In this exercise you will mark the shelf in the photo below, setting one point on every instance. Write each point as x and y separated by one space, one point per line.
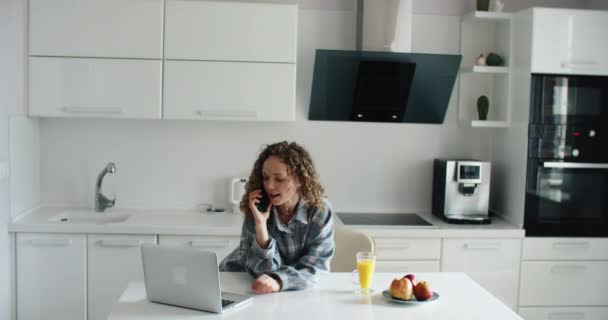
485 69
487 15
489 124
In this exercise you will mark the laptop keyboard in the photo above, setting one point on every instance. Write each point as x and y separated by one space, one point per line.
226 303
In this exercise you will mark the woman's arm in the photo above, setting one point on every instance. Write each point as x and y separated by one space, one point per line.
320 243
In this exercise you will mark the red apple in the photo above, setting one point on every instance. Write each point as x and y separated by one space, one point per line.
412 279
423 291
402 289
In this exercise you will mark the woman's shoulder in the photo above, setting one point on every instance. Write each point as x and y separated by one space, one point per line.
321 215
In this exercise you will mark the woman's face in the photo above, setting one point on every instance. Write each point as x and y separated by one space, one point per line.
280 186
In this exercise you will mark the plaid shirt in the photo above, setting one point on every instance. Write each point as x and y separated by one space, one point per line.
297 252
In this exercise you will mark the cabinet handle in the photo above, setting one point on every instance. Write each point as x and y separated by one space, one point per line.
400 246
482 246
51 242
565 316
568 269
218 114
574 245
579 64
208 244
120 243
92 110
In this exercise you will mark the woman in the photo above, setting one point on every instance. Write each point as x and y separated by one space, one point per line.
286 245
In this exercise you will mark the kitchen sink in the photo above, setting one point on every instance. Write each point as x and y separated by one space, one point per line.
89 217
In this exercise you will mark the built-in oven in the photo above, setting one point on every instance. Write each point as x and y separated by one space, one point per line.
567 172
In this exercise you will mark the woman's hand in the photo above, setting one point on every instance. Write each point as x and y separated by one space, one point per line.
259 217
265 284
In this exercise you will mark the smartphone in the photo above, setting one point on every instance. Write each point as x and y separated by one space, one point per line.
264 202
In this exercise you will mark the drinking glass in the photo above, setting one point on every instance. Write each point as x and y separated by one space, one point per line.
364 275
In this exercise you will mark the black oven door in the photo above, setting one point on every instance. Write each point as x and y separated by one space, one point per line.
560 99
568 199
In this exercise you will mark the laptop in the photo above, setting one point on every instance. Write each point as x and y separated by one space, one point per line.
186 277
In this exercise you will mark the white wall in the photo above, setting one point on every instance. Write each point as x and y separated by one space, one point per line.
12 102
179 164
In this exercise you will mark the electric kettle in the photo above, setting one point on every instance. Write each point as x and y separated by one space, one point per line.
237 190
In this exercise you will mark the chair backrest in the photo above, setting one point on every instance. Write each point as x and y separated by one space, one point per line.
347 243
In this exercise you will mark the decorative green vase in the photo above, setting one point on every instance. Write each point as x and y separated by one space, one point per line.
483 106
483 5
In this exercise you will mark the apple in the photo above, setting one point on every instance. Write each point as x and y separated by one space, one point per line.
412 279
423 291
402 289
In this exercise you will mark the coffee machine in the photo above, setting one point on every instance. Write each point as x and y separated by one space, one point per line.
461 191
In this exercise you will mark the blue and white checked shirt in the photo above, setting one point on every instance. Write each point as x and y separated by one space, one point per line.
297 252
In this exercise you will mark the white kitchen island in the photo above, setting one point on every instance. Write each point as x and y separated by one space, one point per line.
333 298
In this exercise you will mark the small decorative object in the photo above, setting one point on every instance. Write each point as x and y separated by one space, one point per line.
483 5
480 60
498 5
483 106
494 60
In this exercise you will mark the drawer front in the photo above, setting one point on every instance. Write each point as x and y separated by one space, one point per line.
571 283
102 88
96 28
206 90
222 246
407 249
230 31
493 263
570 313
407 266
565 249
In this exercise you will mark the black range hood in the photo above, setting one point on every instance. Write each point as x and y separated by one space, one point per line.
382 86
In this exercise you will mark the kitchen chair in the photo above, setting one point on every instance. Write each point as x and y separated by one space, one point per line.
347 243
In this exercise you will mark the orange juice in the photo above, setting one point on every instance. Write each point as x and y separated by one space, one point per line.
366 272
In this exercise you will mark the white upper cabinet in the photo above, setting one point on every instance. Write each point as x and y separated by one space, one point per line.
100 88
96 28
230 31
566 41
213 90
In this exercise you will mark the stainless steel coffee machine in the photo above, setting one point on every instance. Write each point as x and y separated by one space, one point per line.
461 190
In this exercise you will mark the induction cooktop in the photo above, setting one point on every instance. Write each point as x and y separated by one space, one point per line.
384 219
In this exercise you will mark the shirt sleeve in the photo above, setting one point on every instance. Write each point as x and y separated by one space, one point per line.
320 244
249 256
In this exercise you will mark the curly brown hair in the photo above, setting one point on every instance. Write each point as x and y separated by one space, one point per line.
299 165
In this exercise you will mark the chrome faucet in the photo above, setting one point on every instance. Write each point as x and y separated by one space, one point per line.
102 202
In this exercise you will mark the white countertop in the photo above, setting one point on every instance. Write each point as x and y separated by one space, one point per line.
178 222
333 298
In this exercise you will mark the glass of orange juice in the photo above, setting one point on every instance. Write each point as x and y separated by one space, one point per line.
364 275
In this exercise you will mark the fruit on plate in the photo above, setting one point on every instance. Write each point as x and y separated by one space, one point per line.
412 279
402 289
423 291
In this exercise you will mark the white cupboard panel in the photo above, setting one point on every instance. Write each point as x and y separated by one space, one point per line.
569 313
565 249
493 263
51 276
407 249
113 261
96 28
406 267
563 283
229 91
103 88
231 31
222 246
565 41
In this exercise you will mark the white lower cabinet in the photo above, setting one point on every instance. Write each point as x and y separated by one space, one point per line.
569 313
51 276
493 263
394 254
113 261
221 245
407 266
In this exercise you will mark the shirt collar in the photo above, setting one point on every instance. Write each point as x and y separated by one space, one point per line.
300 216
